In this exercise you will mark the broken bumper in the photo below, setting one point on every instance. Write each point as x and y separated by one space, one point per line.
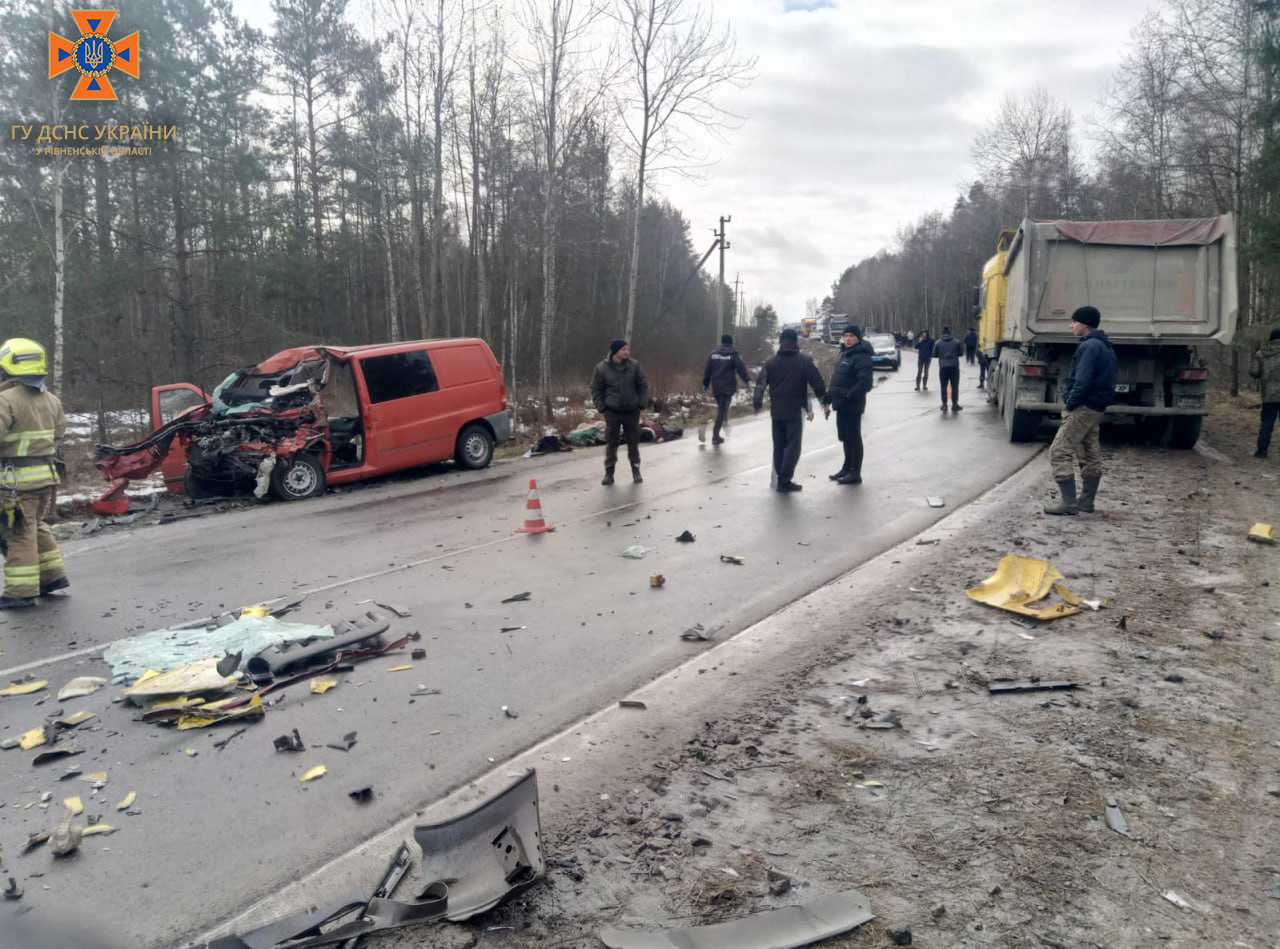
500 422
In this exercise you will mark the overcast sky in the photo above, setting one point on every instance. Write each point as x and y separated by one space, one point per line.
861 117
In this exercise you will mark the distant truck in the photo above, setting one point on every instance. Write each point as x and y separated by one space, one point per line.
1163 288
833 329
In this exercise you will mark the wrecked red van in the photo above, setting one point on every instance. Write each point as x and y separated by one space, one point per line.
323 415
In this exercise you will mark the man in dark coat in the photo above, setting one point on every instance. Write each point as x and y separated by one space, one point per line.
619 391
948 352
1265 367
924 353
851 380
788 375
1091 387
970 345
724 368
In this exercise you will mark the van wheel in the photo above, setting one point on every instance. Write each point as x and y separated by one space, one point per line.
475 447
303 477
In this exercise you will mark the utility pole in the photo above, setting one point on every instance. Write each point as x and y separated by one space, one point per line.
724 245
737 300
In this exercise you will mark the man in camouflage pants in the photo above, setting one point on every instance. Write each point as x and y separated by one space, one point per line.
1265 366
1091 387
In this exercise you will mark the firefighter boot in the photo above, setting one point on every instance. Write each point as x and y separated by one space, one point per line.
16 602
59 584
608 476
1088 491
1068 503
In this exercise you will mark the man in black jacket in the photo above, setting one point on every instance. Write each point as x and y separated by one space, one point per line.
724 368
619 391
851 380
970 345
1091 387
948 352
788 377
924 354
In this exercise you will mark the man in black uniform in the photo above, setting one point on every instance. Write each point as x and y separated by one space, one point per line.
851 380
788 377
724 368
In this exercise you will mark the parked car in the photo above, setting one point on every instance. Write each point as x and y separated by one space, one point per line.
315 416
886 354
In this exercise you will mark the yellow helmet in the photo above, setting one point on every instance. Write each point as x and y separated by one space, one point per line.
23 358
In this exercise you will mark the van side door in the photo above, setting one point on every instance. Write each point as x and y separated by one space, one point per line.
405 423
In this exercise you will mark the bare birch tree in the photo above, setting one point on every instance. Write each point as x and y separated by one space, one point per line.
1023 149
679 58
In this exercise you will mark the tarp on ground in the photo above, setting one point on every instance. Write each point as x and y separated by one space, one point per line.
163 649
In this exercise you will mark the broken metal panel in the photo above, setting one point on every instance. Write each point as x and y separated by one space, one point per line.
1021 581
488 853
291 927
999 686
785 928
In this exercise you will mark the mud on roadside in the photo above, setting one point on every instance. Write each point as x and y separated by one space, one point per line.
978 822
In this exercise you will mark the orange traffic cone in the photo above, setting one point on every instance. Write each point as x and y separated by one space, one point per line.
533 521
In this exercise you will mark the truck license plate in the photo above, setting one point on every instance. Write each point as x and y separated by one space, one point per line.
1122 387
1189 401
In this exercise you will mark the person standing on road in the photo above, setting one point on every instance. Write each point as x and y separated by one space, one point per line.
1091 387
851 380
970 345
619 391
31 422
948 352
788 376
924 354
724 368
983 361
1265 365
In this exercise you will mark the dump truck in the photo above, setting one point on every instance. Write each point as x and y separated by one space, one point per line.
1164 288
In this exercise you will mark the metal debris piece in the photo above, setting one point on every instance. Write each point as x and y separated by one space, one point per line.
511 629
292 742
347 742
190 752
423 690
785 928
202 676
1034 684
229 739
1021 581
319 771
418 654
519 597
33 738
888 720
463 849
74 805
93 829
229 663
8 744
365 631
934 501
361 795
80 686
631 703
13 891
54 754
401 611
733 558
686 538
1115 820
24 688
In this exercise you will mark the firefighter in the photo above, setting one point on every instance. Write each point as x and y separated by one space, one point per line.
31 422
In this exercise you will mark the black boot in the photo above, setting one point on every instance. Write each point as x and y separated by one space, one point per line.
635 474
59 584
1068 503
851 477
1088 491
608 476
16 602
839 474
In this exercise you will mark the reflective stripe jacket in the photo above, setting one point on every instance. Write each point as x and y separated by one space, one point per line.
31 422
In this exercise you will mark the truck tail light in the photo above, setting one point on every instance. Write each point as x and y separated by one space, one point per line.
1032 371
1193 375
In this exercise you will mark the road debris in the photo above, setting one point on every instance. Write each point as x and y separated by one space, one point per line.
321 686
901 936
401 611
80 686
631 703
1020 581
229 739
348 639
785 928
696 633
24 688
510 712
127 803
1115 820
657 581
196 677
13 891
290 742
635 552
1178 901
229 663
1034 684
400 668
55 754
934 501
361 795
319 771
519 598
418 654
511 629
66 836
733 558
1262 534
345 744
686 538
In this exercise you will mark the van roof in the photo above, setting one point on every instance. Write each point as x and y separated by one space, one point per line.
291 357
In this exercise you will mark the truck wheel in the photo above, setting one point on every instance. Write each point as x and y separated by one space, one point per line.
1184 431
475 447
1021 424
302 477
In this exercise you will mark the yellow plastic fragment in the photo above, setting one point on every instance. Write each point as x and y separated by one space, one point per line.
97 829
94 777
873 784
1021 581
181 701
31 739
128 801
73 804
147 676
399 668
1263 533
212 715
79 718
24 688
257 610
321 686
319 771
190 752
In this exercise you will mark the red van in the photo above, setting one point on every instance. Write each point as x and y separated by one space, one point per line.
320 415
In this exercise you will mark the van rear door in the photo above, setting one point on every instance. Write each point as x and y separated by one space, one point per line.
406 421
167 403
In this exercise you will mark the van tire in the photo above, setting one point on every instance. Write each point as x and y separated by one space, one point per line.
302 477
475 447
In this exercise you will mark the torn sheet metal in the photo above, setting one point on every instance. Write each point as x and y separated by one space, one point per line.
1021 581
197 677
488 853
785 928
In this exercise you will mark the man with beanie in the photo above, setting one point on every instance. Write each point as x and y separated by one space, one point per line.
924 355
788 375
948 352
970 346
31 423
619 391
724 368
851 380
1265 366
1090 388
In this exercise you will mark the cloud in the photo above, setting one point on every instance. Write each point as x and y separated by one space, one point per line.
807 6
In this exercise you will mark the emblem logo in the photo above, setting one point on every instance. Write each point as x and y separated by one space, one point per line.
93 55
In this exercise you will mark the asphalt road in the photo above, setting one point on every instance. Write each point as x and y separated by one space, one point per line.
225 827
